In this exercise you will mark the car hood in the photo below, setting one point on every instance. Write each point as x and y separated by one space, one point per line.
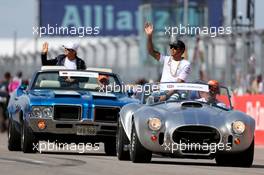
76 97
192 113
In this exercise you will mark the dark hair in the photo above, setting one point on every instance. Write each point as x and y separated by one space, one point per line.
141 81
7 75
178 44
19 74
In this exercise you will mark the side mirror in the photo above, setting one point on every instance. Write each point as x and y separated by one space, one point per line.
21 89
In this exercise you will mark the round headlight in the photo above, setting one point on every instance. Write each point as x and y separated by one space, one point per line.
47 112
154 124
36 112
238 127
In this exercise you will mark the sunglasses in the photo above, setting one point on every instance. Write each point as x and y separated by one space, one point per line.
70 50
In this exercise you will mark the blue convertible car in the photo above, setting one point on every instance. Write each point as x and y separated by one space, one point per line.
66 106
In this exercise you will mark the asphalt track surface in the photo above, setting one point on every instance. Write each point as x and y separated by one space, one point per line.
96 163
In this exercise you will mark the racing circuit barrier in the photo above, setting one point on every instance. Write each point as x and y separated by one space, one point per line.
253 105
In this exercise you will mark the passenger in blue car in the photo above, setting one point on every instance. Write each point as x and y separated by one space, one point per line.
69 59
103 82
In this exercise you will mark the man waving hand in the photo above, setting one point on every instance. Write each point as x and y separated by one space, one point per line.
175 67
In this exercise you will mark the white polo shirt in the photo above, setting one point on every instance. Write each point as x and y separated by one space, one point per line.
70 64
174 70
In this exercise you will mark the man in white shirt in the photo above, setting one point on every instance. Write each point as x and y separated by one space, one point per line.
69 59
175 68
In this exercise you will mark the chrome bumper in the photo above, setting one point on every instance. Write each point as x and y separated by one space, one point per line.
72 127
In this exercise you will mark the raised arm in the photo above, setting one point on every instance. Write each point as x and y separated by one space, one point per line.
44 52
149 30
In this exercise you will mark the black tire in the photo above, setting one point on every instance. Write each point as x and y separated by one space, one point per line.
3 118
121 142
242 159
110 147
14 137
28 140
138 154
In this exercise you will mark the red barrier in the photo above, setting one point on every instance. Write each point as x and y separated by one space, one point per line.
253 105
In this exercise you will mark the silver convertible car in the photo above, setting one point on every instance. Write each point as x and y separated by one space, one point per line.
185 125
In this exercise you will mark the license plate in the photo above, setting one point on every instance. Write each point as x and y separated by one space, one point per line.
86 130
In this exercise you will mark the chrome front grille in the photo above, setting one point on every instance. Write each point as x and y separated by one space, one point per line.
196 134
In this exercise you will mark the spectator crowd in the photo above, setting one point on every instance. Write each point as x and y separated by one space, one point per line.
7 86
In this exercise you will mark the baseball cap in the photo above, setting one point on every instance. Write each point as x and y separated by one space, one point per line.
73 46
178 44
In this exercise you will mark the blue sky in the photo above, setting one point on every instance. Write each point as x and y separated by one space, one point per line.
20 16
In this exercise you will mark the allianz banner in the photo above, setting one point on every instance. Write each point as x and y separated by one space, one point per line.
120 17
113 17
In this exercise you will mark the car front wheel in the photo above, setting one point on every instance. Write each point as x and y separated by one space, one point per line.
110 147
138 154
122 143
14 137
28 140
242 159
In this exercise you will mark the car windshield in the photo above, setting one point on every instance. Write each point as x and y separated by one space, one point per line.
75 80
171 92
